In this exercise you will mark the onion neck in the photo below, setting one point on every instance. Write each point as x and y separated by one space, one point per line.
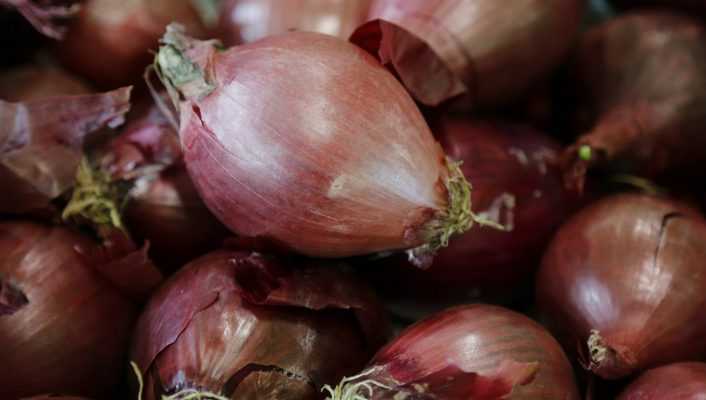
355 388
605 360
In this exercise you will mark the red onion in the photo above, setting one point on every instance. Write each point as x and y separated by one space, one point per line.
65 317
41 144
31 82
109 42
637 121
247 326
245 21
443 48
306 140
682 381
45 15
475 352
624 283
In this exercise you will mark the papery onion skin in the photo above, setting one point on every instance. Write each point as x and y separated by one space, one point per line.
248 326
490 341
72 334
109 41
45 16
30 82
485 48
622 284
632 119
307 140
681 381
245 21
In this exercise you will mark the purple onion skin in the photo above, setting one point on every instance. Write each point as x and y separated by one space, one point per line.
681 381
623 284
249 326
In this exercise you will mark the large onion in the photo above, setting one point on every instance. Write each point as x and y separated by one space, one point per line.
306 140
31 82
245 21
681 381
635 120
490 49
247 326
64 322
109 41
469 352
624 282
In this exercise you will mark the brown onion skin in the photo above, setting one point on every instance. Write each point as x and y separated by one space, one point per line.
109 42
72 334
478 338
681 381
630 267
245 21
358 173
235 323
443 48
31 82
506 163
635 121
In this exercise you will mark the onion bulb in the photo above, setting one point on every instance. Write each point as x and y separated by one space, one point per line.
247 326
681 381
623 284
306 140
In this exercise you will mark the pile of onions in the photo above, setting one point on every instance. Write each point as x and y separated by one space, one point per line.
485 48
31 82
245 21
41 144
306 140
686 381
635 120
247 326
468 352
516 183
47 16
624 282
67 305
108 42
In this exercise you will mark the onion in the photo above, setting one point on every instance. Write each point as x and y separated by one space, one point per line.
31 82
65 316
624 282
109 42
685 381
636 121
443 48
246 326
245 21
516 183
475 352
41 144
306 140
45 15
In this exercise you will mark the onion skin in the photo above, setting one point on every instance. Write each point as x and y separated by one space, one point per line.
109 42
681 381
443 48
32 82
474 352
58 338
360 173
234 323
635 121
45 15
245 21
622 284
41 144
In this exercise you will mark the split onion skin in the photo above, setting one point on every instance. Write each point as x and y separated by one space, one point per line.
109 42
681 381
249 326
245 21
633 119
306 140
622 284
57 338
475 351
30 82
444 48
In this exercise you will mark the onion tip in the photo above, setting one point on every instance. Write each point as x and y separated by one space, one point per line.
186 394
585 152
353 388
